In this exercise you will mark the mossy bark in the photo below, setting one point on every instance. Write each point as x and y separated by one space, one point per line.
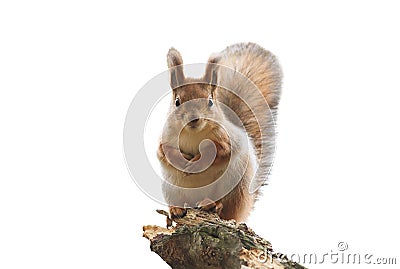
201 240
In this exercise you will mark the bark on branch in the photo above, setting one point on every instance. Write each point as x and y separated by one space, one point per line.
202 240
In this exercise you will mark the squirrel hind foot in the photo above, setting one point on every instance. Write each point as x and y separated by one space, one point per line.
209 205
177 212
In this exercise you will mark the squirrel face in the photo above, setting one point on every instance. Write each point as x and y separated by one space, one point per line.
194 106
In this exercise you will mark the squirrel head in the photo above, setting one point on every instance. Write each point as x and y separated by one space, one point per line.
193 99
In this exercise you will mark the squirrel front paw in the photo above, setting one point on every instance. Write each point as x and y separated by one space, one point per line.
194 165
173 156
201 162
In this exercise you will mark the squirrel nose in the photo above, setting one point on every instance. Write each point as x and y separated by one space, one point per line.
194 120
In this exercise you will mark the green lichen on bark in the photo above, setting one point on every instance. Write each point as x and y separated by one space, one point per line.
201 240
201 246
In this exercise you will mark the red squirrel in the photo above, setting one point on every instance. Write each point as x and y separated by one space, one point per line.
260 70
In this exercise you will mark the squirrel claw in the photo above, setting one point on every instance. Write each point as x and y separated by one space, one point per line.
169 222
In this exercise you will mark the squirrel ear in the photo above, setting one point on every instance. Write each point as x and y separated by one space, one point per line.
211 75
175 65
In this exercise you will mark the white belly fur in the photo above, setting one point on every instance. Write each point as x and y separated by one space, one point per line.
189 143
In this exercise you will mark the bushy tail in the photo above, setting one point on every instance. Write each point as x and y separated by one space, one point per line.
249 64
257 64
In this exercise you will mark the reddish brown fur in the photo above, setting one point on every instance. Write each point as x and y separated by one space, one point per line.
262 69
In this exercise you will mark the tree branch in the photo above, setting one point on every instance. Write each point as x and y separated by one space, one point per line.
202 240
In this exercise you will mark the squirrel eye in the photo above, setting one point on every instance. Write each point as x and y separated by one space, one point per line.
210 102
177 101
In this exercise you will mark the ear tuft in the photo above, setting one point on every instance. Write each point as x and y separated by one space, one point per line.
212 69
174 58
175 65
214 58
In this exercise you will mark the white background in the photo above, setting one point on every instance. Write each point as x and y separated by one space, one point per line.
69 70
